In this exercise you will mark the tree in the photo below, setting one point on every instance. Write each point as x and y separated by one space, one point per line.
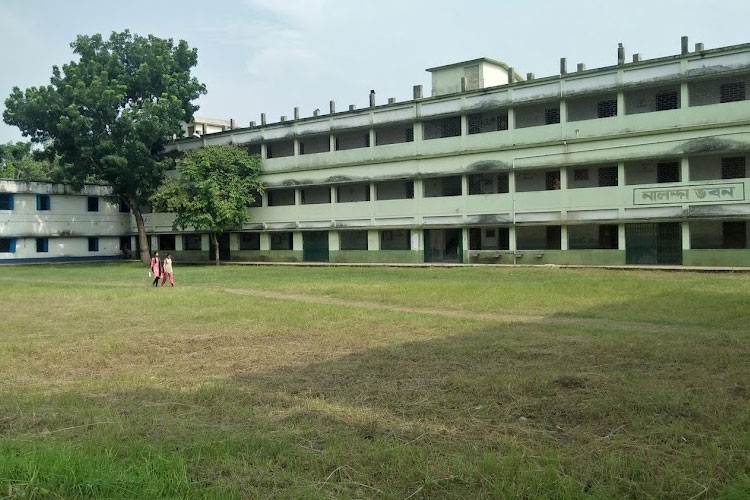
213 191
109 114
19 161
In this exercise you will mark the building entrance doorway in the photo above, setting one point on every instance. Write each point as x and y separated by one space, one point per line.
653 243
315 246
443 245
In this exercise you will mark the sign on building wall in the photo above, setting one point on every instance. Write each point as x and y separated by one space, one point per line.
704 193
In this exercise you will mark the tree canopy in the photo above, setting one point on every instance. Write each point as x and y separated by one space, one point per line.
19 161
213 191
109 114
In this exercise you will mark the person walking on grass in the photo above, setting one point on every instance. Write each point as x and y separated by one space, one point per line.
168 273
156 269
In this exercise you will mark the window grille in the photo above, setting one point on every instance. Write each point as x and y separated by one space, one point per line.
608 176
443 127
730 92
666 100
606 108
733 168
480 123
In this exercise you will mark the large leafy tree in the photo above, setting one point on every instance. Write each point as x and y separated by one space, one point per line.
213 190
19 161
108 115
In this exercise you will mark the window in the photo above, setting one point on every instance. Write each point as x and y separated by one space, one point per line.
592 237
554 238
480 123
282 241
442 186
395 190
608 176
280 197
42 245
552 180
352 192
666 100
733 168
409 134
42 202
443 127
551 115
93 203
668 172
488 183
606 108
6 201
314 195
249 241
7 245
166 242
192 242
396 239
93 244
353 240
581 174
731 92
734 234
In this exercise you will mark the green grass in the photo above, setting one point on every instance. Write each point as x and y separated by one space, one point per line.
394 383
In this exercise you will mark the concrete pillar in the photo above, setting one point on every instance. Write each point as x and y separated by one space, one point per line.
621 237
372 98
334 242
373 239
464 125
332 106
262 118
265 241
685 235
263 151
373 137
234 242
373 192
512 240
684 45
465 245
564 237
563 66
416 240
684 95
296 146
178 243
621 173
417 92
297 196
684 169
297 241
511 118
205 243
620 103
296 113
564 177
334 195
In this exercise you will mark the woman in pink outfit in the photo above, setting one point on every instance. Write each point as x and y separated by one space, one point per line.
156 269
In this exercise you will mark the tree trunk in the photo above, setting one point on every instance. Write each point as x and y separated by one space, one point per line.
142 237
215 243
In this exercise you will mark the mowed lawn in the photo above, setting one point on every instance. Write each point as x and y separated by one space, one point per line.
373 382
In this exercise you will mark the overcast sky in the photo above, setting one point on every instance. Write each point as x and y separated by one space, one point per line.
268 56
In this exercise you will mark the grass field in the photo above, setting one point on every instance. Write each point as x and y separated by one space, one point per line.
393 383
